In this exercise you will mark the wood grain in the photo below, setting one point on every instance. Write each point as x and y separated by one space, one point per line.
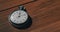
44 13
5 4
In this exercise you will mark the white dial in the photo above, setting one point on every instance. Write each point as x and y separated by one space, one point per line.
18 17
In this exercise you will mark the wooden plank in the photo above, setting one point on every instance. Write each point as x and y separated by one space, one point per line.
5 4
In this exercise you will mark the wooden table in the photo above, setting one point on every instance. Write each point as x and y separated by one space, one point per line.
45 15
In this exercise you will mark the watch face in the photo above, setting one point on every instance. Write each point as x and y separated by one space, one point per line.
18 17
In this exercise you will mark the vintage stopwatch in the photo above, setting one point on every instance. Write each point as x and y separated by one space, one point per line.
20 18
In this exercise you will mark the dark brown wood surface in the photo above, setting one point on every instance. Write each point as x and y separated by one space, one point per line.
5 4
45 16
